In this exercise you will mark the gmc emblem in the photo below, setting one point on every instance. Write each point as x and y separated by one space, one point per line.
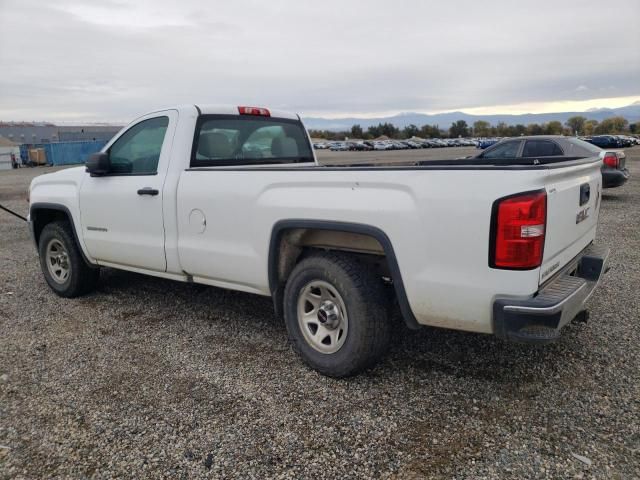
582 215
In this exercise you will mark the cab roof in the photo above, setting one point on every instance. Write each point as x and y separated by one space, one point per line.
212 109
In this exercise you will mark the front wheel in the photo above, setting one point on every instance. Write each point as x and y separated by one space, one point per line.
62 263
336 314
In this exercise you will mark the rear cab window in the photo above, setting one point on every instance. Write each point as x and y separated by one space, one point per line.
227 140
579 148
503 150
541 148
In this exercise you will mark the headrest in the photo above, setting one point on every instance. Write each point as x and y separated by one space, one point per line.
214 145
284 147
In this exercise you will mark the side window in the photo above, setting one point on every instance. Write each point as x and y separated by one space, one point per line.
137 151
504 150
541 148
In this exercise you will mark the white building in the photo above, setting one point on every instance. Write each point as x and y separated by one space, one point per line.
8 150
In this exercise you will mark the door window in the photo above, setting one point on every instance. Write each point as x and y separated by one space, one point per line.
503 150
137 151
541 148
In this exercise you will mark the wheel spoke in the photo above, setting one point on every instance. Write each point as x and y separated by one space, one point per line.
312 299
335 334
327 294
322 333
311 317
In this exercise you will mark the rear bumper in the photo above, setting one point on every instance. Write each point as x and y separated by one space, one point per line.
614 178
539 319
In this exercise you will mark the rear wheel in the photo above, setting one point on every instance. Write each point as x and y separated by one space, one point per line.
336 314
62 263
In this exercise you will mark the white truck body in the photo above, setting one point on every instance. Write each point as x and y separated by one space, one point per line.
217 225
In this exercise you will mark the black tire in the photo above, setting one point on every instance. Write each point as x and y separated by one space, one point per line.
81 278
364 296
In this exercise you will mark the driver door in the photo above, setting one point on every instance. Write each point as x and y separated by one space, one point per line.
121 212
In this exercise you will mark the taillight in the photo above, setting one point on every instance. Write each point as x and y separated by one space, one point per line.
611 159
517 231
263 112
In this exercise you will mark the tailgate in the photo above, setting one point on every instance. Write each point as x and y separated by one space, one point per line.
573 204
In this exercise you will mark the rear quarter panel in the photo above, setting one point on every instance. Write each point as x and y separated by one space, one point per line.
438 222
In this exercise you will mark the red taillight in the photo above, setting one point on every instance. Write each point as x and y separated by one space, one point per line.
518 231
611 160
263 112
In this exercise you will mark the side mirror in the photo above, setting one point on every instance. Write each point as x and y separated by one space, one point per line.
98 164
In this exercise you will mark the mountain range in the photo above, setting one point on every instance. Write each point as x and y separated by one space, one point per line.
444 120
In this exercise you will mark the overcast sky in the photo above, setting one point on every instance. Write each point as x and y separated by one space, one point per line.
109 60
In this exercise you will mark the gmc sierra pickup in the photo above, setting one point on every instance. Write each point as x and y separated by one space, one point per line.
233 197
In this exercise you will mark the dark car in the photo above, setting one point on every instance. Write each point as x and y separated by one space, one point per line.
606 141
359 146
614 172
486 143
626 141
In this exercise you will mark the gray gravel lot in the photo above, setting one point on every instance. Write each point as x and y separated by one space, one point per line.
147 378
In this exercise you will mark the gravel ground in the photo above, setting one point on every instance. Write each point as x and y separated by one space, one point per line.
147 378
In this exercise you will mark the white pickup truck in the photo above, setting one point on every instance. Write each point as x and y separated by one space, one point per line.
233 197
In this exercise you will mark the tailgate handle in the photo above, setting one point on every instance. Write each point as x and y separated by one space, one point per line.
585 193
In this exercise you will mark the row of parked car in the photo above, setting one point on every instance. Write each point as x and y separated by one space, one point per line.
602 141
613 141
362 145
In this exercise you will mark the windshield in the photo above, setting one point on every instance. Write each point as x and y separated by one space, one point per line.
247 140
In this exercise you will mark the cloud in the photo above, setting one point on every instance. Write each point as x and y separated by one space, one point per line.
113 59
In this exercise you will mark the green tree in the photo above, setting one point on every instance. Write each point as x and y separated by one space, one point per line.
612 125
459 129
373 131
410 131
576 124
481 128
553 128
534 129
634 128
502 129
356 132
430 131
520 129
590 127
388 129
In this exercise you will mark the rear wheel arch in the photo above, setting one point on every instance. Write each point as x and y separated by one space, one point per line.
283 255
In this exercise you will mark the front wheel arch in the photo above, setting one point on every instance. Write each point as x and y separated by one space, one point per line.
41 214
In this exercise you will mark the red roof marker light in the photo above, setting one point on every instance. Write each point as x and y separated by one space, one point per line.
259 111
